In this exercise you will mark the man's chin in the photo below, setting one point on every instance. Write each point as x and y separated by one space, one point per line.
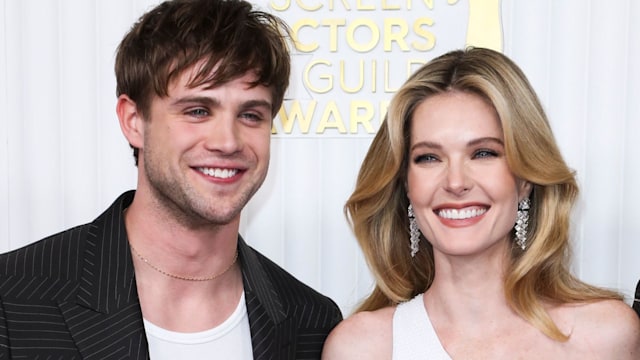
221 216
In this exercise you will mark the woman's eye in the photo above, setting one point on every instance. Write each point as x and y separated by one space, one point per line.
425 158
484 154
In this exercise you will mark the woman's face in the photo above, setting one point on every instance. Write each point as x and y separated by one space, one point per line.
463 193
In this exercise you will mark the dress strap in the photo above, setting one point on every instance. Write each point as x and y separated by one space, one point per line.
413 334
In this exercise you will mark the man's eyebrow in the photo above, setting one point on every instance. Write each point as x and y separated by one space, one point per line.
212 102
205 100
256 103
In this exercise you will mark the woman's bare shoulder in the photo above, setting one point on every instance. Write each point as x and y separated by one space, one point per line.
608 327
363 335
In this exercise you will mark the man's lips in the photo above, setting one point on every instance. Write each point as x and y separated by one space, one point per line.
219 173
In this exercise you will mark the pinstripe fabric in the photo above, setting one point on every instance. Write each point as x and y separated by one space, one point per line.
636 301
73 296
288 319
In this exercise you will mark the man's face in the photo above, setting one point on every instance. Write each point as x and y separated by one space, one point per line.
206 150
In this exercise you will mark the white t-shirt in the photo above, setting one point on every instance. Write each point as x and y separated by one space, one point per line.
229 340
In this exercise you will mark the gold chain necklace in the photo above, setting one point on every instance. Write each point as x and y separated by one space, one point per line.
180 277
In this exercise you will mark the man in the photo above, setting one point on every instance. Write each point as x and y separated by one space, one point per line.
163 273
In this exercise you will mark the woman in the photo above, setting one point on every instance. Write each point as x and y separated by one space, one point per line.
465 153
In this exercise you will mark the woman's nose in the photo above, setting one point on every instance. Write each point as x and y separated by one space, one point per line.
457 182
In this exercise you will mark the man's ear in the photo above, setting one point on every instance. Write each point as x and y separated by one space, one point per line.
131 121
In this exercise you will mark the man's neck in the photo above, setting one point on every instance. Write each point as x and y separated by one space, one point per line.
166 253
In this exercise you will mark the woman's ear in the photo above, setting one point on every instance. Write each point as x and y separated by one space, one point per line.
525 189
131 121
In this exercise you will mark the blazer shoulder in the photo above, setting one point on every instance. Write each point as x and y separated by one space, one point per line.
54 259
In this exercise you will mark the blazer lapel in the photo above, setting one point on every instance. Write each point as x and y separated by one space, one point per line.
105 320
269 341
270 327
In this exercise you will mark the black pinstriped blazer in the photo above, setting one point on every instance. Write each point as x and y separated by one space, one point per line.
73 296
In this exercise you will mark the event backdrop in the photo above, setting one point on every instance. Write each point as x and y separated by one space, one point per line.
63 158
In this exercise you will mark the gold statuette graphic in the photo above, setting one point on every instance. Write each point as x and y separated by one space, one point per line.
484 28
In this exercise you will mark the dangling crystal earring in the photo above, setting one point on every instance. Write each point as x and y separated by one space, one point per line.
414 231
522 222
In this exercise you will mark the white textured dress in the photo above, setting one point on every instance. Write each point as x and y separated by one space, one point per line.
413 335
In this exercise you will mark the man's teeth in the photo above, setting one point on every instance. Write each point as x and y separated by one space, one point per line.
461 214
219 173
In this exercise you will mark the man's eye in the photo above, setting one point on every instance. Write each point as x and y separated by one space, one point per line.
251 117
199 112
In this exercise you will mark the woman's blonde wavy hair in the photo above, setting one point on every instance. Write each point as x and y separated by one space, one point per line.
377 209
